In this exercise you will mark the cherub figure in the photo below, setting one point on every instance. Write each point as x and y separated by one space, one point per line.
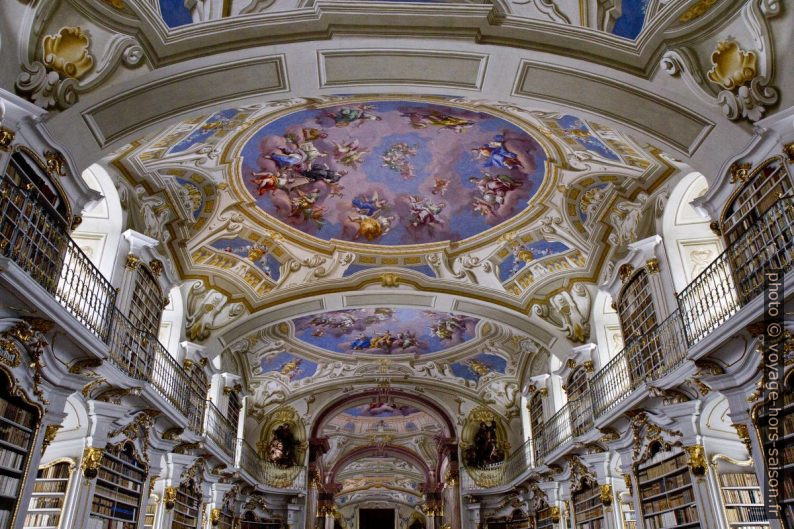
440 186
493 191
323 172
424 212
349 153
371 227
304 206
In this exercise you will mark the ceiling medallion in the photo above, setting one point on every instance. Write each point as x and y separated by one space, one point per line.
389 172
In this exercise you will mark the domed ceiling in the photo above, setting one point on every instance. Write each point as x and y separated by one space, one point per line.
391 172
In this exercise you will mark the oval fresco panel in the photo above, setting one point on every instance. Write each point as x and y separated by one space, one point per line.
392 172
385 331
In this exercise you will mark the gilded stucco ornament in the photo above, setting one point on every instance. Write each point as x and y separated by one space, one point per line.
697 459
568 311
65 66
169 497
67 52
738 81
732 66
6 137
92 457
744 92
605 494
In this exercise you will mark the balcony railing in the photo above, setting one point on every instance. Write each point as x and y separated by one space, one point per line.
521 459
34 236
220 429
735 278
249 460
36 239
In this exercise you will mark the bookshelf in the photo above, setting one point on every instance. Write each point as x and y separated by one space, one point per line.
19 424
741 497
226 521
543 519
49 494
785 446
151 512
666 495
119 486
628 515
588 509
188 506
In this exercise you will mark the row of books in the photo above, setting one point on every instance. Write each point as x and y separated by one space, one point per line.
669 502
104 523
746 514
8 486
115 479
582 503
665 467
117 495
739 480
46 502
42 519
16 414
57 471
597 523
670 483
11 459
788 454
675 518
121 468
110 508
731 496
788 484
50 486
14 436
5 518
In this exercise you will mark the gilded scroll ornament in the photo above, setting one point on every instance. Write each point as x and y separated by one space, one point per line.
92 457
605 494
732 66
169 497
697 459
67 52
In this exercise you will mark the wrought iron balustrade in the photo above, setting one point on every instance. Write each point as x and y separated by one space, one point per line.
220 429
520 460
557 430
611 384
249 460
34 236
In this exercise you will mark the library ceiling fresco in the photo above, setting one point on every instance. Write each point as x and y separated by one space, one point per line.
393 172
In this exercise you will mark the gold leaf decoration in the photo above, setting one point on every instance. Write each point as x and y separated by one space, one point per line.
732 66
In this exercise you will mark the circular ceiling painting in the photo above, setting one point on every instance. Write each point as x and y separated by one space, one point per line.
385 331
392 172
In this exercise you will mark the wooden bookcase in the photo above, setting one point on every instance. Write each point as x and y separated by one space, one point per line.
19 424
188 506
543 519
742 500
49 494
151 512
628 515
785 446
666 496
588 509
226 521
118 490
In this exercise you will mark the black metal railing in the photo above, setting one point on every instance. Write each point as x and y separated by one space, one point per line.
519 461
220 429
249 460
731 281
34 236
557 430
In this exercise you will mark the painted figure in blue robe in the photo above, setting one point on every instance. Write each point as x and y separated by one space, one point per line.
362 342
368 206
286 159
497 155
